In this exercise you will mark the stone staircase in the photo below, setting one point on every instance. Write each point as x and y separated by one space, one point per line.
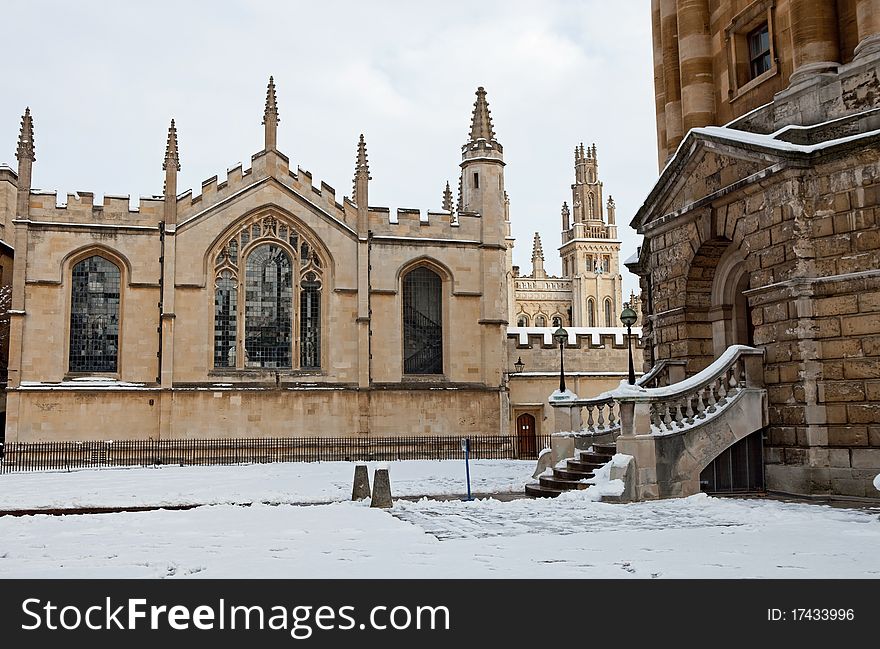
576 469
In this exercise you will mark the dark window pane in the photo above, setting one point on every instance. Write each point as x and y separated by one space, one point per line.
310 322
94 316
268 307
422 323
759 51
225 319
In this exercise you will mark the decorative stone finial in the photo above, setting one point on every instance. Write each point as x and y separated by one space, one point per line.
447 198
270 118
25 149
481 123
172 160
361 168
270 114
537 249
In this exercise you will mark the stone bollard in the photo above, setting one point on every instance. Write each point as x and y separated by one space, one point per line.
381 489
361 487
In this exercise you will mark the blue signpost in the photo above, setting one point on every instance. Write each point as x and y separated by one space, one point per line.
466 447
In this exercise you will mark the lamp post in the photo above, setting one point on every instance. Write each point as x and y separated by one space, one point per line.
561 335
628 317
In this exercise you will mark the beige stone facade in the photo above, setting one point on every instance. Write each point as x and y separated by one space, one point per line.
266 306
765 232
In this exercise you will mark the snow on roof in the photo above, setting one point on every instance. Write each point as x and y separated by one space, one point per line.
632 259
772 142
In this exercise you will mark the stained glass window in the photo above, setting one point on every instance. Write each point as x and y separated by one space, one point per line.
422 322
225 319
94 316
268 307
310 322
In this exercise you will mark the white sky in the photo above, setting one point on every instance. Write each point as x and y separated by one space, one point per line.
103 79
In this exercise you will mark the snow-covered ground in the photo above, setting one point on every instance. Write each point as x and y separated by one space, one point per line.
571 536
312 482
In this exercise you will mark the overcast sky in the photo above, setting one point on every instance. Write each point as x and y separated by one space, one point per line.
103 79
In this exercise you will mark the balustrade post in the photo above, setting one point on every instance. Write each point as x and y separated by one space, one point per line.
754 370
627 418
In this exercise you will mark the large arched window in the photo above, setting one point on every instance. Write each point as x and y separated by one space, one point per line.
609 313
94 316
591 313
422 322
259 273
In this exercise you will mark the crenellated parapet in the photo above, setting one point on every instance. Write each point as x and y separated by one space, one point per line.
411 222
80 208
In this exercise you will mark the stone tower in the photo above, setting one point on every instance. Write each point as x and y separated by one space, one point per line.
590 249
482 193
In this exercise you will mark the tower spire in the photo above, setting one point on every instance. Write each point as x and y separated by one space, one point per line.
270 117
447 198
25 149
481 122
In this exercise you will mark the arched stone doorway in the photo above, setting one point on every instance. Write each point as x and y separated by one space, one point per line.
526 441
716 309
729 314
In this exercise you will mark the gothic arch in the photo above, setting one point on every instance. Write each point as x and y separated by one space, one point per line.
280 215
84 252
425 260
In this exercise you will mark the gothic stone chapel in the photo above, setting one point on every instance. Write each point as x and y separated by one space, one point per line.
263 306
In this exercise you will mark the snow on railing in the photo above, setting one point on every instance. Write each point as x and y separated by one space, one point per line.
692 401
607 411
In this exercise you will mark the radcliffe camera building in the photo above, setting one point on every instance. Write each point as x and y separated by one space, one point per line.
764 231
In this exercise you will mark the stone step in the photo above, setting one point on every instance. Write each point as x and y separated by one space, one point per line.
536 490
593 457
562 485
605 449
582 465
571 474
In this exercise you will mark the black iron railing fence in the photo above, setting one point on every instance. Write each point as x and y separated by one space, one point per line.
39 456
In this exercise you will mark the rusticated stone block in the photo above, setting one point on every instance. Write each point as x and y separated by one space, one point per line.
837 391
862 368
861 325
843 348
841 304
847 436
868 458
863 413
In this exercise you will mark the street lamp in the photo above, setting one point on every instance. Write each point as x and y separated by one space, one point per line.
519 365
561 335
628 317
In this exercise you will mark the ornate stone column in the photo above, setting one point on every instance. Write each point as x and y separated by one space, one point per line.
868 20
659 90
671 79
695 58
814 38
